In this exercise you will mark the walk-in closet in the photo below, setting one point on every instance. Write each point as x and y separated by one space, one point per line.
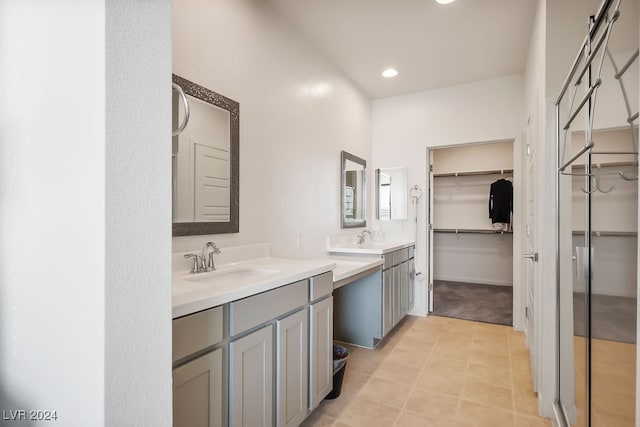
597 188
472 234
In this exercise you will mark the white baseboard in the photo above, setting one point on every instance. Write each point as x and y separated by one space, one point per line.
481 281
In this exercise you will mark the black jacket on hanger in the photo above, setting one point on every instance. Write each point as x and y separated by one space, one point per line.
501 201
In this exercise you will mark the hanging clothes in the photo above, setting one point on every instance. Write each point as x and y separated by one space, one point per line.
501 201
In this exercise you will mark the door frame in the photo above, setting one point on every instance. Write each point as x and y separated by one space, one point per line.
518 233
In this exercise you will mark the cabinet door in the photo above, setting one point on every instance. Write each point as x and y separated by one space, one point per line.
387 301
251 379
198 393
404 289
321 349
292 369
412 284
397 295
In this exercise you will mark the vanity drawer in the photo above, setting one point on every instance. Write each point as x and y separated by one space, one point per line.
321 285
400 256
388 261
197 331
253 311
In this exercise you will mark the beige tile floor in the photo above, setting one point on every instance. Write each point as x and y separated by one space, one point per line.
437 372
613 383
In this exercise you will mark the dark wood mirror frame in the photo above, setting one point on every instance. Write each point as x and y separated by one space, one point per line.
345 222
233 107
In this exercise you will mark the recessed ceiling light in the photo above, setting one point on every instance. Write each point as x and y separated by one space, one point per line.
390 72
445 1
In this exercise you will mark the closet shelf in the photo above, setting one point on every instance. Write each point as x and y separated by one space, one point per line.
598 165
474 173
608 233
469 231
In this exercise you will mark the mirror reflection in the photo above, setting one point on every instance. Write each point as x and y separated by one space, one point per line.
353 191
205 160
391 187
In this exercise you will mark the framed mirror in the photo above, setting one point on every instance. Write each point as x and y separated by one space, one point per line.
391 194
353 191
205 160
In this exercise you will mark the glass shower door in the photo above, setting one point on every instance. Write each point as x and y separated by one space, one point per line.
597 197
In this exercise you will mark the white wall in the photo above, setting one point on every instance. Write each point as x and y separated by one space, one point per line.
297 112
405 126
474 258
476 157
52 209
137 156
84 318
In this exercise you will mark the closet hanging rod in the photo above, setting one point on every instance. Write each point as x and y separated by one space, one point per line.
600 17
474 173
627 65
584 101
608 233
469 231
576 156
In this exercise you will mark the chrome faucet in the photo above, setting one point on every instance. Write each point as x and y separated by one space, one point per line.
195 267
361 236
209 265
200 263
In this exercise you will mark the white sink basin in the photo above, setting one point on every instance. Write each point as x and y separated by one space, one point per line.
231 274
369 248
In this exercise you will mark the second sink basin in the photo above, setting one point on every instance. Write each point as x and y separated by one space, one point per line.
237 273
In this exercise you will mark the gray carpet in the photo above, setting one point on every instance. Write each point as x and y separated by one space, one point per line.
612 318
472 301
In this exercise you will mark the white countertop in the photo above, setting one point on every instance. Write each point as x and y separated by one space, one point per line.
367 248
348 267
237 280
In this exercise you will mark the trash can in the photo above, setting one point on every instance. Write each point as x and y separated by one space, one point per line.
340 355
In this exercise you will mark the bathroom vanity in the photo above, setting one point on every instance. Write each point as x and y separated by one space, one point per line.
371 301
252 341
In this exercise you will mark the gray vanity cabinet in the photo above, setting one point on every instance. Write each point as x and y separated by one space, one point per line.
251 379
404 288
387 301
321 351
292 334
198 392
198 384
398 287
261 361
412 283
397 295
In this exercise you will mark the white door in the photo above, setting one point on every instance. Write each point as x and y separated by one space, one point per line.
529 246
430 231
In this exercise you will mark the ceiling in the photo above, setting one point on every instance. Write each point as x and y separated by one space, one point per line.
431 45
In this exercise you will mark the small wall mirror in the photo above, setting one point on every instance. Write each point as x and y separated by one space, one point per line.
353 190
205 160
391 188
